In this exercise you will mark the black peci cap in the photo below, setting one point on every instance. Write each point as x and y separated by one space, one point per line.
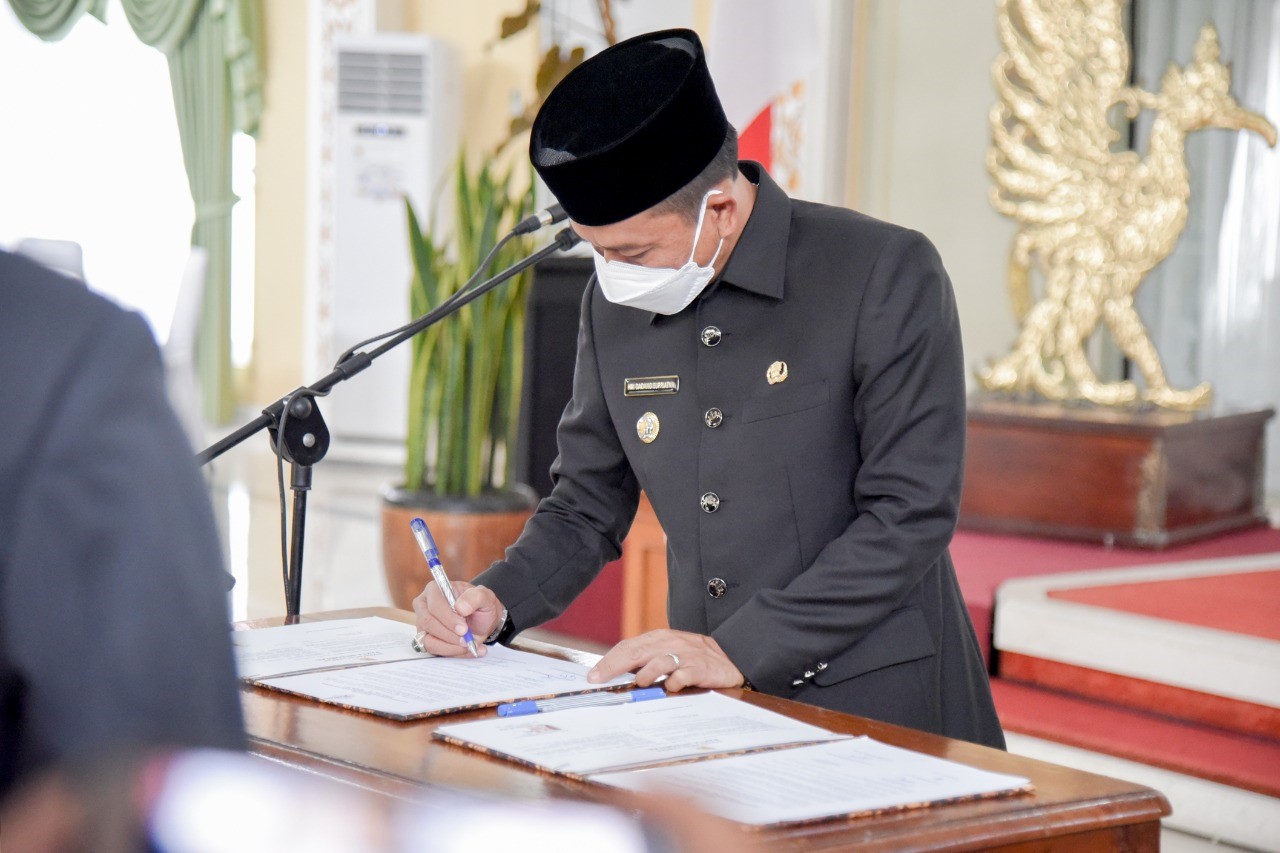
629 127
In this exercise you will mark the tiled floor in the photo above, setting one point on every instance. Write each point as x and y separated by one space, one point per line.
342 564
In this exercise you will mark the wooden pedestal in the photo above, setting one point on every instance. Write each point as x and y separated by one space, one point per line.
1147 479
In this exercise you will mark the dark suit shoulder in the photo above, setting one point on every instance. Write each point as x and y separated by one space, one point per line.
35 298
53 329
851 228
50 324
842 254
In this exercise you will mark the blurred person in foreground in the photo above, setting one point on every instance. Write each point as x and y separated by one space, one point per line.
221 802
114 631
784 380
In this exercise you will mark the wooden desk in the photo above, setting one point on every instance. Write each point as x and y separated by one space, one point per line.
1069 810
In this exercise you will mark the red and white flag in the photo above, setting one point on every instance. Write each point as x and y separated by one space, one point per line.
761 53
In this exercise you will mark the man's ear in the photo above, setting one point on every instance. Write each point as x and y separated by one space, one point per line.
723 209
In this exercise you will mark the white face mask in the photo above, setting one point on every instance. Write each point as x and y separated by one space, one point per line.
659 289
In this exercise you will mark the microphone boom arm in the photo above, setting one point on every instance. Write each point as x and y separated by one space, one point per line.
300 435
358 361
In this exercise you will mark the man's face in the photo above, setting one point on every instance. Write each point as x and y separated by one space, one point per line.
654 239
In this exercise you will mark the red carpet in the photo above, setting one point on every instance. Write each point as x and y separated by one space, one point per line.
1243 603
984 561
596 615
1231 759
1166 700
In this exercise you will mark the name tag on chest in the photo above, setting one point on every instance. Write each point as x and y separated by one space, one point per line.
650 386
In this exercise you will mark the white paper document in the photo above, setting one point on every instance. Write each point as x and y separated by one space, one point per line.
429 685
592 740
315 645
814 782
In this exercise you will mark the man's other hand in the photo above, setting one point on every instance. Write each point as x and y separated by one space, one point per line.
687 660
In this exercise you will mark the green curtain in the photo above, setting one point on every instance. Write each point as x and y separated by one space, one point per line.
163 24
214 49
53 19
201 98
242 31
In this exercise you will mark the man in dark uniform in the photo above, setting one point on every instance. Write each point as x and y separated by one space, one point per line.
784 380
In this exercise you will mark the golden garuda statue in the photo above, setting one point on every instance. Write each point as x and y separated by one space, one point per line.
1092 220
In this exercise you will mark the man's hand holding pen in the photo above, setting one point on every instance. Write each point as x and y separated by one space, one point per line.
440 616
445 627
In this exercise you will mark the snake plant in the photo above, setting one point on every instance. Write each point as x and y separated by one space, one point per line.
466 371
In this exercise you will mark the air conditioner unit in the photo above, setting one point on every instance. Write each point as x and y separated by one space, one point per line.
397 135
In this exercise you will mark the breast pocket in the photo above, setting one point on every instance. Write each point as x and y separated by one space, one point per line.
782 400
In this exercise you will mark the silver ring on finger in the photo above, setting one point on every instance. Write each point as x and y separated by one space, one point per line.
675 659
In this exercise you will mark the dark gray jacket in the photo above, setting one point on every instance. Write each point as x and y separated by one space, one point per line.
808 518
114 630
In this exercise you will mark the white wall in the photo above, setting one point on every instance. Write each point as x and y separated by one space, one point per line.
925 88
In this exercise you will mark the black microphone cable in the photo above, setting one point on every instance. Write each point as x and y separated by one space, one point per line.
299 394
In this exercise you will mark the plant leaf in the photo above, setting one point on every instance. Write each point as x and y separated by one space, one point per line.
464 377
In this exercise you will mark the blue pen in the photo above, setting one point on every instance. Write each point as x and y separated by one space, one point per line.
432 553
585 700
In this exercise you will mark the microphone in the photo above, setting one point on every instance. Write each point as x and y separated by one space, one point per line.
548 216
566 239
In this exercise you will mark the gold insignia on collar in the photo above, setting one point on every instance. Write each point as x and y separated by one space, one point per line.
647 427
776 373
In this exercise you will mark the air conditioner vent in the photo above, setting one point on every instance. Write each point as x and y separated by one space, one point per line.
374 82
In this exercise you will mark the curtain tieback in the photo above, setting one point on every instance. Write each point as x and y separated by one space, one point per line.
213 209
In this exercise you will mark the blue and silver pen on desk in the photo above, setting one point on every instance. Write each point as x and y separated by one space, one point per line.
432 553
583 700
